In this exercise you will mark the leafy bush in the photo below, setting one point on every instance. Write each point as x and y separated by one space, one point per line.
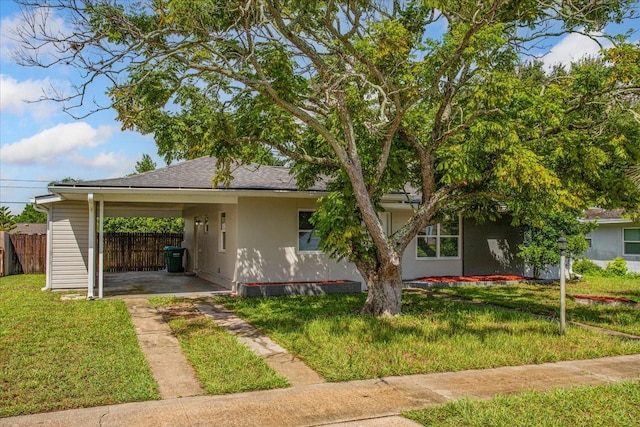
586 266
617 267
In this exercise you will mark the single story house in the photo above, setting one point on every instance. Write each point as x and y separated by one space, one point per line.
615 236
254 230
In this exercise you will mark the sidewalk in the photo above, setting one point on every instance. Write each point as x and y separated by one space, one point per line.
374 402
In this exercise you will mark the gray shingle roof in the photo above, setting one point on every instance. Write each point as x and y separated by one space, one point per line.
198 174
29 228
597 213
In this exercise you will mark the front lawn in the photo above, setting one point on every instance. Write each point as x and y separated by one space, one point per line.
606 405
222 364
545 299
58 355
432 335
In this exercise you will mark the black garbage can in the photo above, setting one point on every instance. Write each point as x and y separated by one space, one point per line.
173 258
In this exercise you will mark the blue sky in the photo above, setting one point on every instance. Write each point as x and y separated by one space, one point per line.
40 143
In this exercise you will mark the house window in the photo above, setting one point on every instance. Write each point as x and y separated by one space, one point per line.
631 241
439 241
308 241
223 232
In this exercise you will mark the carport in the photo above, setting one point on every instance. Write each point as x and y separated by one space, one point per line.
144 283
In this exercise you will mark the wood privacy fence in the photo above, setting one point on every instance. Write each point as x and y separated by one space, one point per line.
23 254
137 251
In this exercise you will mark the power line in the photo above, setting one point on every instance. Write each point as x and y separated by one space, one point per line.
18 186
24 180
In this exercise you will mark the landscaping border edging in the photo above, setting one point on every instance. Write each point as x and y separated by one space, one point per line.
297 288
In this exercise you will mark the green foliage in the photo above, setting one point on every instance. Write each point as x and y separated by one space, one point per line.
30 214
617 267
143 225
145 164
66 180
7 220
586 266
540 247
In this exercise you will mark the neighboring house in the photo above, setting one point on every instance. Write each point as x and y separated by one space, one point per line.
29 228
615 236
255 230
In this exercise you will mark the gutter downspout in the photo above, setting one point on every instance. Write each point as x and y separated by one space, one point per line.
47 286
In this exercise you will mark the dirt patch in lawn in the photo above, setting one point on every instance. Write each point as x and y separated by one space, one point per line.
602 299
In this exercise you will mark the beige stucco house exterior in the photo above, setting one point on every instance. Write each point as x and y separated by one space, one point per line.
254 230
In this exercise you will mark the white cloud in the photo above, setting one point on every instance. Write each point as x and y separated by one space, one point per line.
14 28
573 47
102 160
18 97
49 146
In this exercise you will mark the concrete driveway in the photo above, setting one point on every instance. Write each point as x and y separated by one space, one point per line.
148 283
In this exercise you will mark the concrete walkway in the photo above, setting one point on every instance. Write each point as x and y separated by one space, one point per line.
169 366
375 402
283 362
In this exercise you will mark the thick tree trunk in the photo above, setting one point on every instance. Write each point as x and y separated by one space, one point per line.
385 292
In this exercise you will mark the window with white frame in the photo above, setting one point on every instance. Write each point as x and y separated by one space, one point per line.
631 243
439 241
308 241
223 232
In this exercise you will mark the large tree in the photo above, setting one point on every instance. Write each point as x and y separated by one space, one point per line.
436 99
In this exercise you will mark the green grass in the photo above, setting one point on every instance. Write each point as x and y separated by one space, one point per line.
58 355
545 299
432 335
607 405
222 364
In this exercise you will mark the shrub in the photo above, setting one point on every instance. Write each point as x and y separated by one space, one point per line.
617 267
586 266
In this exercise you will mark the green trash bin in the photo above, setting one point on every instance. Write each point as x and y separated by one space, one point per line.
173 258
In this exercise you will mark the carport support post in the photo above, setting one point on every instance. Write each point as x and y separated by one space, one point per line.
101 252
91 282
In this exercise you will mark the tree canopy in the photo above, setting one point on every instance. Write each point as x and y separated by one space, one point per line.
7 220
442 100
145 164
30 214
